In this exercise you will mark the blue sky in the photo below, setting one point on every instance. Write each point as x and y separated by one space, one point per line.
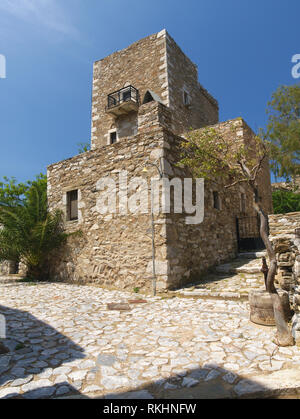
243 49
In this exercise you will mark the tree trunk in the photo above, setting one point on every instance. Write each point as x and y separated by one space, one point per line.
284 335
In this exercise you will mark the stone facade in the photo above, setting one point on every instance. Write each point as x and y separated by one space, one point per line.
285 236
115 249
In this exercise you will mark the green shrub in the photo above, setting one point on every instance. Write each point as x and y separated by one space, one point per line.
285 202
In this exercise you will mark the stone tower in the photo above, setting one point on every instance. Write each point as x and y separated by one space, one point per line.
153 68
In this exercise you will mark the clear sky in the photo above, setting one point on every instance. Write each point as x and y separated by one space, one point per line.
243 49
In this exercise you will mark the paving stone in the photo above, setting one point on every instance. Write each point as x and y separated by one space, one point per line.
246 387
61 370
115 382
34 385
170 386
4 360
189 382
40 393
78 375
92 389
59 379
9 392
200 374
230 377
106 360
62 390
18 372
22 381
212 375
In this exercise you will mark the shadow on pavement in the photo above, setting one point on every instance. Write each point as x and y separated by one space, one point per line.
34 347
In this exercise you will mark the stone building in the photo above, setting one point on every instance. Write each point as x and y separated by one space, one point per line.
145 98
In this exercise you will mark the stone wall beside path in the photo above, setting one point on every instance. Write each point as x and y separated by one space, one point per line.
285 236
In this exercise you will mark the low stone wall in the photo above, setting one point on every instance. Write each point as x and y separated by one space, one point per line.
5 268
9 268
285 236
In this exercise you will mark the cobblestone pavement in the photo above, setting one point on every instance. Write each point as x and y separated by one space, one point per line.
64 341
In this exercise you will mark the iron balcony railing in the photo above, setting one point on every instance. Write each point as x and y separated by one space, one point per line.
128 93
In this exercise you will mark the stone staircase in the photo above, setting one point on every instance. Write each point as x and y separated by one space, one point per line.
7 279
232 280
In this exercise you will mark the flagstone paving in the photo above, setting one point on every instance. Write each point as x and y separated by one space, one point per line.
64 342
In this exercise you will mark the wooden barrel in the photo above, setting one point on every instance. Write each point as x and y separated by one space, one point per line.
261 307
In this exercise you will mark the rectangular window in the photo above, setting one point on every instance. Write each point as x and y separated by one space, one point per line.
186 98
113 137
243 202
72 205
216 199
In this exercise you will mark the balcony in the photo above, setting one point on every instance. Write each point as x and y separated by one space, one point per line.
123 101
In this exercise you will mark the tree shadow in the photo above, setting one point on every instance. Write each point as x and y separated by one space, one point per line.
202 384
196 385
33 348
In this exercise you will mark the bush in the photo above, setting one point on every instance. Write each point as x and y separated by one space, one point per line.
285 202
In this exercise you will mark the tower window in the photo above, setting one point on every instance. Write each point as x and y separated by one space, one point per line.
186 98
72 205
113 137
216 200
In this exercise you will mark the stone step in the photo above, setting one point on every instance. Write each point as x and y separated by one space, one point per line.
6 279
252 255
238 268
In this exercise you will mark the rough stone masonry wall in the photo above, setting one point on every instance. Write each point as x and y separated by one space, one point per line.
183 76
192 249
286 240
115 249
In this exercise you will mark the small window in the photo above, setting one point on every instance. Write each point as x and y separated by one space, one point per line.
243 202
216 200
113 137
186 98
72 205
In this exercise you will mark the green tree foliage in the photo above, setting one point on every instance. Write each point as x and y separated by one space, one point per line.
211 156
11 192
285 202
29 232
83 147
283 131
